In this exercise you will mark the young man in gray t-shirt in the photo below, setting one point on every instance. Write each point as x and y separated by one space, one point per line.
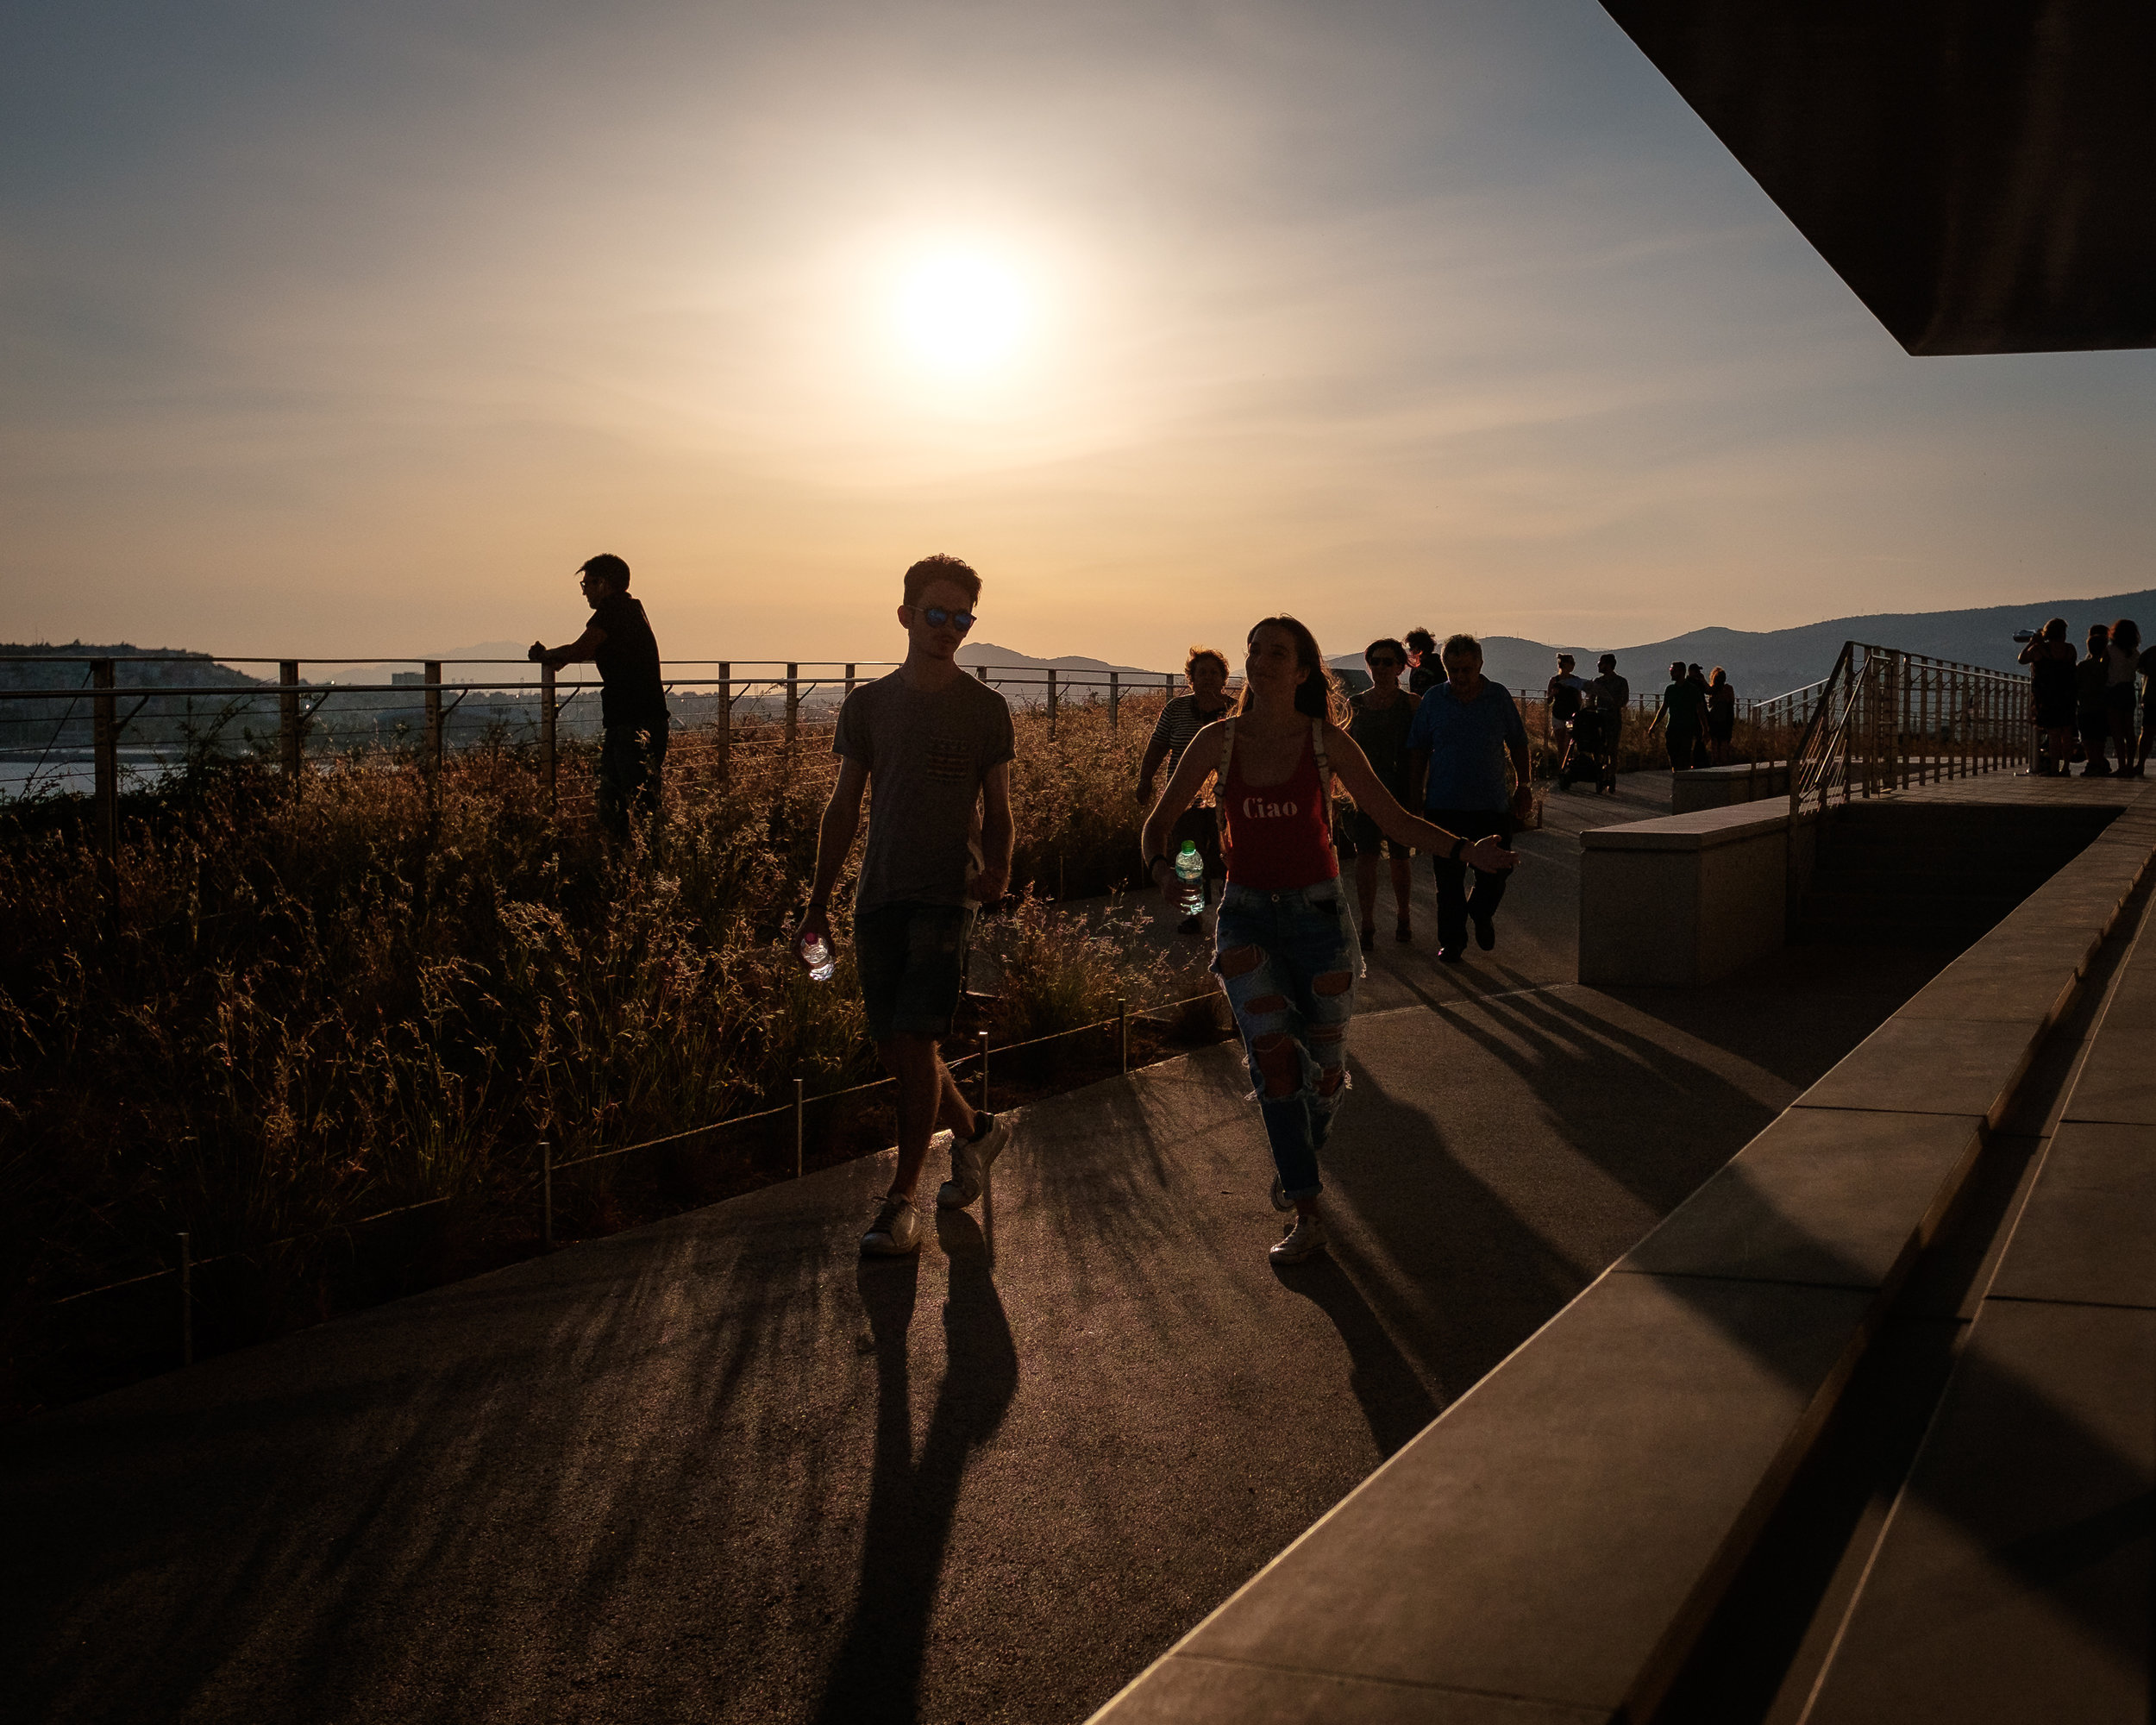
932 747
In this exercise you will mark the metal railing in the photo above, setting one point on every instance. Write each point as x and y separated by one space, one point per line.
539 1182
750 704
1885 720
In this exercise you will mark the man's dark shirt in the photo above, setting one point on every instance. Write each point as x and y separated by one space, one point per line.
628 664
1684 704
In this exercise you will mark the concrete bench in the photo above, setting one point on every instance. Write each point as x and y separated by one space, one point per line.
1685 898
1706 787
1550 1547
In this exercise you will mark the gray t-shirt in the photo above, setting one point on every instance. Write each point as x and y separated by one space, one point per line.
926 756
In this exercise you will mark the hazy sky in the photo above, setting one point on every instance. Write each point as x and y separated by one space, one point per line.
351 330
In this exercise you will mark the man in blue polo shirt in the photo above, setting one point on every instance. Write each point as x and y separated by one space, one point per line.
1457 747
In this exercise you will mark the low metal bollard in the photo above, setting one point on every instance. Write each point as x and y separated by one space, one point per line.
981 1102
186 1301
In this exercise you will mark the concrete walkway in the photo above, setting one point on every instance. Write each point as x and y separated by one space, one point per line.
721 1469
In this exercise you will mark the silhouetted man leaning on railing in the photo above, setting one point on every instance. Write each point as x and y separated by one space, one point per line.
632 698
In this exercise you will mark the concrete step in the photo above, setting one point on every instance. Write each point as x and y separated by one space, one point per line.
2013 1580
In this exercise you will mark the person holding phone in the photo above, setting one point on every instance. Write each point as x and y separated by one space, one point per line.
1284 945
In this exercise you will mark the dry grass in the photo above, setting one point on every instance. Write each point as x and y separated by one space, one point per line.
286 1008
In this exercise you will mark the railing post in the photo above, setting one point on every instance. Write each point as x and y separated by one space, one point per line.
982 672
1051 700
433 675
981 1099
1123 1035
723 736
288 737
798 1105
1115 698
792 703
850 681
104 743
548 759
186 1301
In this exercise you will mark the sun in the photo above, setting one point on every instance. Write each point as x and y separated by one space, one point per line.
963 312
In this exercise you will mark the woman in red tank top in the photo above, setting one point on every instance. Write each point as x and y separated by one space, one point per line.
1285 949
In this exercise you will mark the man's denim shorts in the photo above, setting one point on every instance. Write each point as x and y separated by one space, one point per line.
911 960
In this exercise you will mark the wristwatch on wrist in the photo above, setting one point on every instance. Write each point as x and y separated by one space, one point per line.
1158 858
1459 849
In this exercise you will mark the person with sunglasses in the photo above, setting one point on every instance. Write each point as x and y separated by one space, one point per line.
1381 716
1284 944
936 746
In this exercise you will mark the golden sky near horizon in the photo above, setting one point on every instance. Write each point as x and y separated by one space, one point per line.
333 331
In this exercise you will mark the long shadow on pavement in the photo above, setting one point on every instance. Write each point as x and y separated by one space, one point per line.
877 1672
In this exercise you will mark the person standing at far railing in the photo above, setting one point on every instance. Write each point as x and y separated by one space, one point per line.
2122 660
2049 658
2148 665
936 746
1721 715
632 696
1681 713
2092 713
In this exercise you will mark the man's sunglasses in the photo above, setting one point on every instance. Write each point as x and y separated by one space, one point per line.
939 619
1384 663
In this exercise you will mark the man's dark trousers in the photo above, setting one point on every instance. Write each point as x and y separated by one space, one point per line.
631 760
1455 903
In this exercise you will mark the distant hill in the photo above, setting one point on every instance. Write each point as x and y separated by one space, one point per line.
1772 661
988 653
161 668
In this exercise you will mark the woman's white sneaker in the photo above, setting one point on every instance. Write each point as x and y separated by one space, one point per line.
1306 1237
970 1160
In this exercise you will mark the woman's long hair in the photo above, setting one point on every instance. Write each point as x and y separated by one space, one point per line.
1317 695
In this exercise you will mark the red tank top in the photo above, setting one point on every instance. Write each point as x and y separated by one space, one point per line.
1279 837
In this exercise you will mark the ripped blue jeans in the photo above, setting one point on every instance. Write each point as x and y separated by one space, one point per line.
1288 961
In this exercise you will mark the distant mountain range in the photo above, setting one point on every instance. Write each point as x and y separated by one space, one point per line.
1772 661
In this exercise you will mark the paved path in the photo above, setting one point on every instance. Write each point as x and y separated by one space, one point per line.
719 1469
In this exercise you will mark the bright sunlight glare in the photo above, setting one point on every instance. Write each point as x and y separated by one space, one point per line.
961 312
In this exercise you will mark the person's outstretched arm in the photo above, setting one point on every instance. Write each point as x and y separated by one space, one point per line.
835 838
586 646
1353 770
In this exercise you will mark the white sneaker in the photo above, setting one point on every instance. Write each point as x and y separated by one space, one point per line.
1306 1237
895 1232
970 1160
1281 1202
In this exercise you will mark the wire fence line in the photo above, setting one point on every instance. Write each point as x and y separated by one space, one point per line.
974 1061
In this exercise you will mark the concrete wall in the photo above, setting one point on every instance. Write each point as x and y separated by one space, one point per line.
1719 786
1686 899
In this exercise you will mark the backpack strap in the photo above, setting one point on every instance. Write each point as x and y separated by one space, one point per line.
1325 779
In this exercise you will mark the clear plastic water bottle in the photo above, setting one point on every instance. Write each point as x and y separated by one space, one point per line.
816 952
1190 869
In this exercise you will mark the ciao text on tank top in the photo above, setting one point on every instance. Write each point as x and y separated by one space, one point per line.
1279 837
